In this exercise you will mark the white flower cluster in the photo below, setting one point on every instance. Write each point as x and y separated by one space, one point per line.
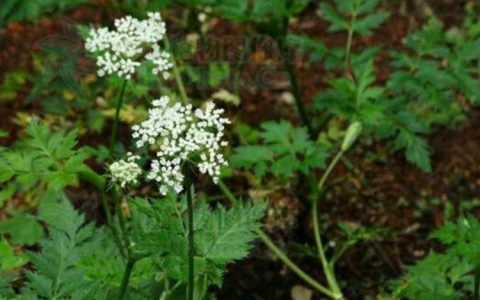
120 51
181 132
126 172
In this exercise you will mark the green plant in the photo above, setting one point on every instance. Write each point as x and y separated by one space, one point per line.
285 151
19 10
453 274
353 16
149 248
43 161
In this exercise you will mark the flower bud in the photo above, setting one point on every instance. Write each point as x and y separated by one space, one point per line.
351 136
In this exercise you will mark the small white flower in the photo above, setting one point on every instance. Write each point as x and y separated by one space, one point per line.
180 132
126 172
122 50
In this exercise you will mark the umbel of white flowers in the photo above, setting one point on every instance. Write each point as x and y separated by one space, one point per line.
178 133
133 41
126 172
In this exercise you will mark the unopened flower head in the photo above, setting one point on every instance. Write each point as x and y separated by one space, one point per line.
180 132
126 172
133 41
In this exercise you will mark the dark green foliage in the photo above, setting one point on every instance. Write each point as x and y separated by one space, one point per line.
222 236
22 228
434 278
447 275
259 11
353 15
77 260
441 70
285 151
361 100
55 274
304 44
43 159
19 10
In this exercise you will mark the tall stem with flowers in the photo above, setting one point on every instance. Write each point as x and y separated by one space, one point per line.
181 137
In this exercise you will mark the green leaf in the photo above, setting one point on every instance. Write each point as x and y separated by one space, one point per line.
12 83
255 157
416 150
18 10
366 25
22 228
43 157
217 73
304 44
285 151
226 235
432 278
55 274
222 236
10 260
329 14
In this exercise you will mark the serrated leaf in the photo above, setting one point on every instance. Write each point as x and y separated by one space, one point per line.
286 150
329 14
416 150
366 25
227 234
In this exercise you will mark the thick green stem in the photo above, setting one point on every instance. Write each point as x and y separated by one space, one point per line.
297 95
247 47
123 225
126 278
191 246
176 74
292 266
116 121
92 177
99 182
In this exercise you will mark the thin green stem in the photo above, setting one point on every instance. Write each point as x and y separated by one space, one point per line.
126 278
476 288
280 254
176 73
292 266
116 121
348 48
327 267
329 170
191 246
226 191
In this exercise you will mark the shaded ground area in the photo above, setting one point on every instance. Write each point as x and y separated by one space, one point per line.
381 190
